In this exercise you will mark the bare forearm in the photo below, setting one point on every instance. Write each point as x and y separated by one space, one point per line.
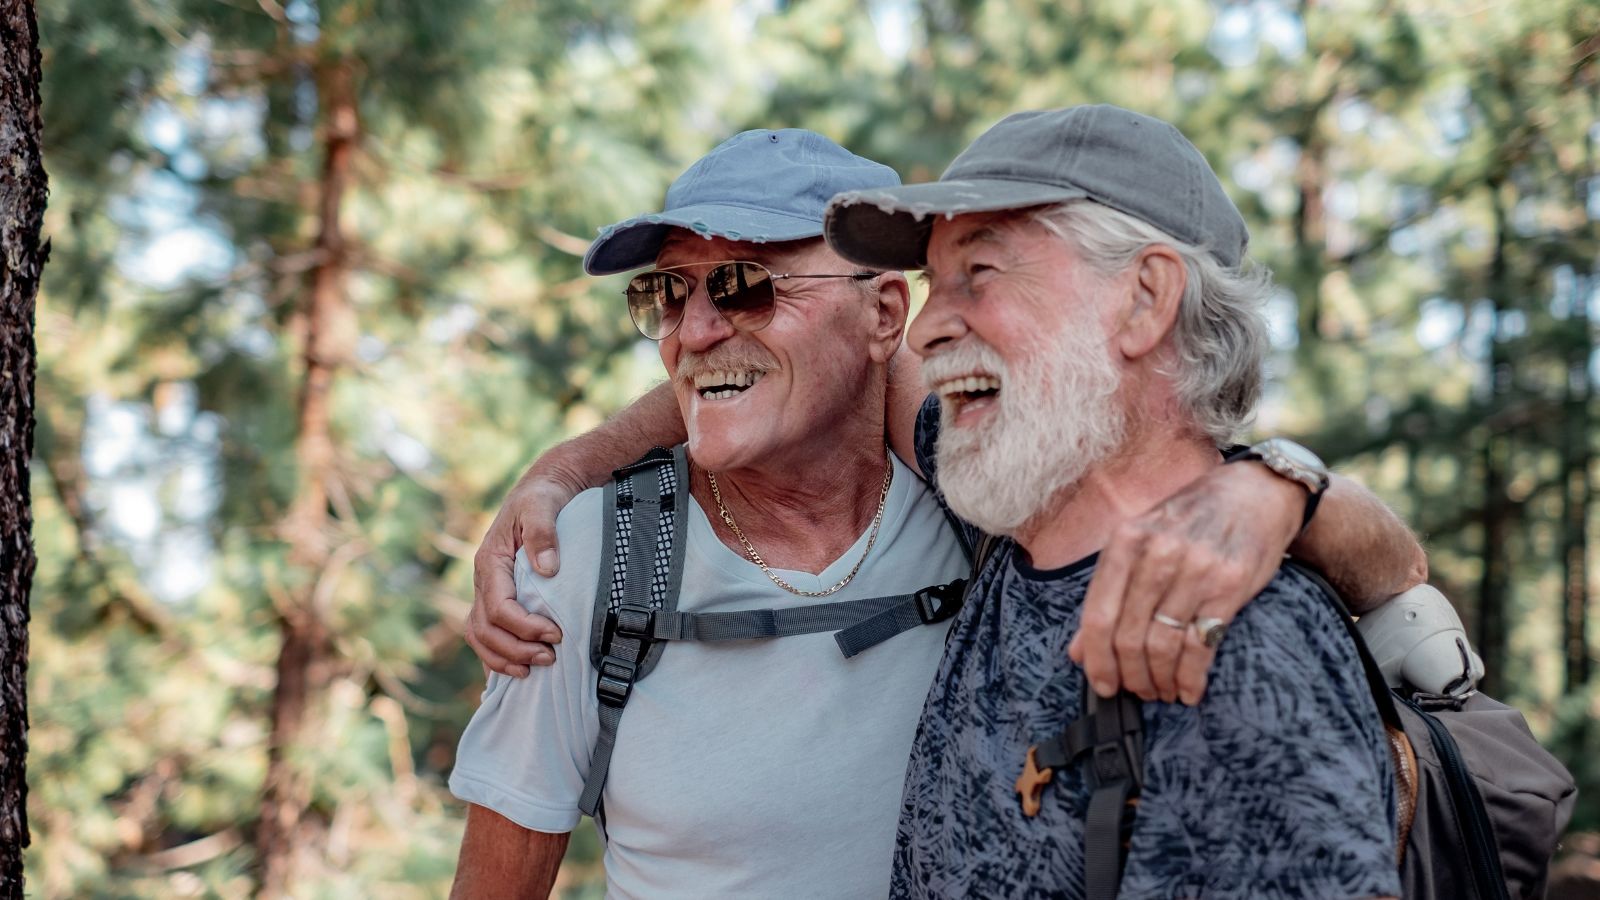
500 858
1361 546
588 460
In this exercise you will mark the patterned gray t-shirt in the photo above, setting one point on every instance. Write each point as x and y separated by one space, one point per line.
1279 784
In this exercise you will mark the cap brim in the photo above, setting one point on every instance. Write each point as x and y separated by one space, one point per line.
635 242
887 229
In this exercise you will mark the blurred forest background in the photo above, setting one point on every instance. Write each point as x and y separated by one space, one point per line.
314 300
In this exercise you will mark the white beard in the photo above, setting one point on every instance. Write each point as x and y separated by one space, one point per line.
1057 415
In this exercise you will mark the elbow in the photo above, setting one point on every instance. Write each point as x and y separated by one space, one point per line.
1416 570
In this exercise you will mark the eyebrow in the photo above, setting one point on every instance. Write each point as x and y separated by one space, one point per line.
987 233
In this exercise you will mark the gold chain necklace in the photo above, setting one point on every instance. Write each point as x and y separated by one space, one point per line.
727 518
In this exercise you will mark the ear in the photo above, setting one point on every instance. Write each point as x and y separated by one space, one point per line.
1156 281
891 305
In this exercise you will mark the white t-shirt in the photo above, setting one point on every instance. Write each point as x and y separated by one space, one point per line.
742 769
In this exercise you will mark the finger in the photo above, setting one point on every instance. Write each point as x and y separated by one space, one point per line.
514 650
494 565
1194 665
1166 644
1152 577
1233 586
481 637
538 524
1092 646
494 662
507 615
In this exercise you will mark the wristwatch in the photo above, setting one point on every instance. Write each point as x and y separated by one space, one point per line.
1290 460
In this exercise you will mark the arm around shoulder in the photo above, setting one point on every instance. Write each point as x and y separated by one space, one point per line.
500 858
1361 546
902 404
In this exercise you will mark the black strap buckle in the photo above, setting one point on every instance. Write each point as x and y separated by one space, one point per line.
1109 763
635 622
616 681
940 601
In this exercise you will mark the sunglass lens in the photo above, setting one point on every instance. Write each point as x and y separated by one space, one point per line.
655 301
743 294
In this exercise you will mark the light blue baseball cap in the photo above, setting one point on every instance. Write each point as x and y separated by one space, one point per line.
756 186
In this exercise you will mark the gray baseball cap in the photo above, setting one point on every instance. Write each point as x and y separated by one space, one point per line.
1130 162
756 186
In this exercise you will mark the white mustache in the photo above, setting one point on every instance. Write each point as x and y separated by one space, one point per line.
723 358
970 357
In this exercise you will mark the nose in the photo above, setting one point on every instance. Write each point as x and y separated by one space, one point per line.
702 326
940 321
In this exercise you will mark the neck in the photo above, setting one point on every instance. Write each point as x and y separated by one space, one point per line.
1080 520
801 514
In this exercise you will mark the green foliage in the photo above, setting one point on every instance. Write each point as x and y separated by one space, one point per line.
1420 177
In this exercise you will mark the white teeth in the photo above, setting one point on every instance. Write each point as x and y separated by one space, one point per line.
969 384
725 378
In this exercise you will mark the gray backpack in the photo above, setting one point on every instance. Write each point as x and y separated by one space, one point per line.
1481 804
636 602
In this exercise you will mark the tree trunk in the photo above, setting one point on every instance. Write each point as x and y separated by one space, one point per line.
1494 587
304 660
22 198
1310 232
1575 497
1575 500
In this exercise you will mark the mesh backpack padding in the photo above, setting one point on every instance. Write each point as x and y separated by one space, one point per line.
672 468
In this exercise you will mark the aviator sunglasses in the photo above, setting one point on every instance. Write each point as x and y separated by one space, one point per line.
741 292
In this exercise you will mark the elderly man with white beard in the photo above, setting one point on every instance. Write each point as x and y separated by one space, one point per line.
1092 335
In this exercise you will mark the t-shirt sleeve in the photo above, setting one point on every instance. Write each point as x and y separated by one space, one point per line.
525 753
927 438
1280 782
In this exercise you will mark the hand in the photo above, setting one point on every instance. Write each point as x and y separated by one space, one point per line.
1204 552
506 637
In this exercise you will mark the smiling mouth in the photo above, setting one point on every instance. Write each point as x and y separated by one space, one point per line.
958 392
725 385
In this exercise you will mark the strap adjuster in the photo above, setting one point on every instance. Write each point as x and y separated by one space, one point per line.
1109 763
940 601
616 681
635 622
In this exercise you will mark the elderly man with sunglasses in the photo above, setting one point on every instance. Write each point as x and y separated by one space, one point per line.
774 769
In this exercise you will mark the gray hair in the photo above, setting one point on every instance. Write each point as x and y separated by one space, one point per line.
1220 335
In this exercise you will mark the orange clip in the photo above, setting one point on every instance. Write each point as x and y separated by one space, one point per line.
1030 784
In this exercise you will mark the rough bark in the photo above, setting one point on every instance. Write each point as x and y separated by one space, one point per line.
304 659
22 199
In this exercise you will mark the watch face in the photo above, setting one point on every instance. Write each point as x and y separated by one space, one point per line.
1298 455
1294 462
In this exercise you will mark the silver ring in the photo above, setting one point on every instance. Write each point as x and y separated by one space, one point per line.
1169 621
1210 630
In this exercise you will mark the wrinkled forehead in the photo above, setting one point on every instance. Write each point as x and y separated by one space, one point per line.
684 247
976 229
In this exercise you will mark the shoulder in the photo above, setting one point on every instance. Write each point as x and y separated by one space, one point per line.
1296 611
1288 662
1283 767
568 597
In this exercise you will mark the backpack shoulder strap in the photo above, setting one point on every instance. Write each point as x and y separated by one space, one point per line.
641 570
1110 734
